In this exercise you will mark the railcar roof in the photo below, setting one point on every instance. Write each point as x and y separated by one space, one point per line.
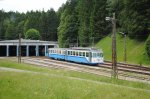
80 48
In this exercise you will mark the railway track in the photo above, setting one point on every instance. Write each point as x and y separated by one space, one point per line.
125 71
128 68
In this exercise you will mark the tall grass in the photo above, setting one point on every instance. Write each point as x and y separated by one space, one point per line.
63 84
17 85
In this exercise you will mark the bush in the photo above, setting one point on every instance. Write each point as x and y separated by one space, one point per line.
32 34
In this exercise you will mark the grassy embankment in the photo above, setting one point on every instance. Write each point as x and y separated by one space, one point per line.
43 83
135 50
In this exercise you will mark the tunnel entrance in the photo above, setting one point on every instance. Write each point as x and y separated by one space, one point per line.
23 50
32 50
2 51
41 50
12 50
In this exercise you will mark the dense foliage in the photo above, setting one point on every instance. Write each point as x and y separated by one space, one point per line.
134 18
68 28
32 34
80 22
85 20
13 23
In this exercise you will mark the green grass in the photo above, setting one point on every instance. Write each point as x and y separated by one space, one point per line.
135 50
64 84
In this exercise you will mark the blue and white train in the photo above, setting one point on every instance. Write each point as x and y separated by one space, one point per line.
80 55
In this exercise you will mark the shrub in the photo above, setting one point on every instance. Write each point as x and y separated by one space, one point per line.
32 34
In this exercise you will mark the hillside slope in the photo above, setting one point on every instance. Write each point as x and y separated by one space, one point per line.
135 50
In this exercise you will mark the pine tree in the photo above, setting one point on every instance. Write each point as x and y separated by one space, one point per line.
68 27
10 32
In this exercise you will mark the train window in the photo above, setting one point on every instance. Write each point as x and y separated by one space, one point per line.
77 53
80 53
73 52
63 52
83 53
87 54
69 52
94 55
98 55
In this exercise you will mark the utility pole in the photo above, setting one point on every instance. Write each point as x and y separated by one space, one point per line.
114 54
19 56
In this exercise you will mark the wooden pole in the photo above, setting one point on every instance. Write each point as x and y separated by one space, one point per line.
114 54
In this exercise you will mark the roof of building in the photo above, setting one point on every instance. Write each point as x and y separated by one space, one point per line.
27 42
